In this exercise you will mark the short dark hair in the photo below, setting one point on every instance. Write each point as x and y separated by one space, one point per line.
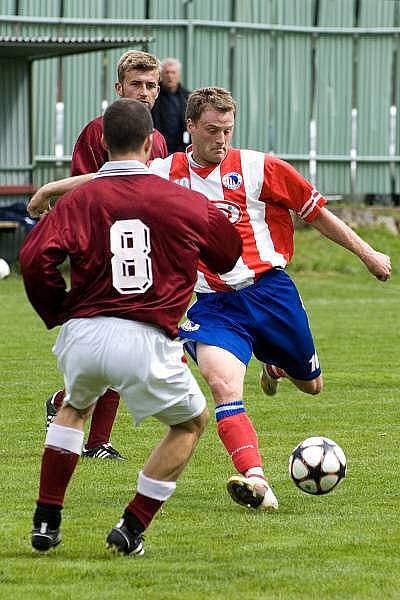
126 124
214 98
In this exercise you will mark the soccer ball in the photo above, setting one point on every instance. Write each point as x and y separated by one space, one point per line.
317 465
4 268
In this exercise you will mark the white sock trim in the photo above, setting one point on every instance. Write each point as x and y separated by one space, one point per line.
153 488
255 472
66 438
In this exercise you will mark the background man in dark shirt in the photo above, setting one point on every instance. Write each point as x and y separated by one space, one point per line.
170 107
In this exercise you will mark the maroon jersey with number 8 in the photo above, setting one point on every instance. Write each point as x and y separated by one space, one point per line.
134 242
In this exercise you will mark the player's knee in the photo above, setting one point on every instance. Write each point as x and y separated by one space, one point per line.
223 388
202 421
71 414
199 423
196 425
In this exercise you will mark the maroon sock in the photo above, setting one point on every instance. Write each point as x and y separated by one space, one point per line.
144 508
56 472
58 398
103 419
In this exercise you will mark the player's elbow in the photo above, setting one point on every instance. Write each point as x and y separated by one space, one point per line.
231 258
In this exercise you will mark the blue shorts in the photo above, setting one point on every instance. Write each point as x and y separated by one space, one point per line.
266 319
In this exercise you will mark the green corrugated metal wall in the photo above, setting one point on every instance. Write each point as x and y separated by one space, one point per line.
281 79
251 85
397 103
38 8
44 76
255 12
83 95
333 97
373 78
14 124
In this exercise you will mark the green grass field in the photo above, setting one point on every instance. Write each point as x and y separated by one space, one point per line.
203 546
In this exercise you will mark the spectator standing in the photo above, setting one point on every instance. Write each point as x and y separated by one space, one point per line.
170 106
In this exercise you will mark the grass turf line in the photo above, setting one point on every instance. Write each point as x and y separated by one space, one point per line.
343 545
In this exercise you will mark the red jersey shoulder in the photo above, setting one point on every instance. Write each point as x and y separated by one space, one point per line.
93 129
92 133
280 177
159 148
279 167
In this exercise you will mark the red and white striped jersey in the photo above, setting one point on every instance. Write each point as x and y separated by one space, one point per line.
257 192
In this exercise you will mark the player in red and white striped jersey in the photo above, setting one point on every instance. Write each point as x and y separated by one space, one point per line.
262 313
255 191
255 308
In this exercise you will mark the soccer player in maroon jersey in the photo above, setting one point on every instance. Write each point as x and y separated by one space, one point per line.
138 77
255 308
134 241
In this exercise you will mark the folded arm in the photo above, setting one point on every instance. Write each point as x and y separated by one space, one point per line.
39 204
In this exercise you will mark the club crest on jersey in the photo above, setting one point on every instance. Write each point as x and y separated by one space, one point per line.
184 182
232 211
232 181
190 326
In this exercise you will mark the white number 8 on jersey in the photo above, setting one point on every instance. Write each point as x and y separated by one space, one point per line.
131 263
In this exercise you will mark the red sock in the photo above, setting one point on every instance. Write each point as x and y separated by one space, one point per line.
240 439
103 419
56 472
144 508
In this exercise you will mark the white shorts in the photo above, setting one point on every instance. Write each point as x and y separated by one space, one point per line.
137 359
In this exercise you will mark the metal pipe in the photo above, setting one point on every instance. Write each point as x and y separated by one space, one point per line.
202 23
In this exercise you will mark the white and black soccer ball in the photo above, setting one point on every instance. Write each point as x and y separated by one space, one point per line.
4 268
317 465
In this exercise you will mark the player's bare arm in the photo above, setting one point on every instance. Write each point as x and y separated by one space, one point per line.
335 229
39 204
